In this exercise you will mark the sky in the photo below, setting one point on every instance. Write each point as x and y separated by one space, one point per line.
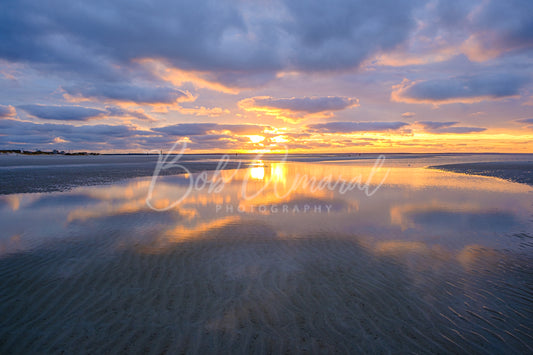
265 76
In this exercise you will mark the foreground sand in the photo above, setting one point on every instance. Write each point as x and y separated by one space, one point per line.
243 289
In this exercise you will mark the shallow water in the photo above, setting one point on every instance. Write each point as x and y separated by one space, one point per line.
430 262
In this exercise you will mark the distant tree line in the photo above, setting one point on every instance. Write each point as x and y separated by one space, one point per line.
39 152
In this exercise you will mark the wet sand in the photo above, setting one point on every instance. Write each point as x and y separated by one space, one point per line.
521 172
241 289
29 174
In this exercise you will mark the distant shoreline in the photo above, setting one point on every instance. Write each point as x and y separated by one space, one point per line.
38 152
516 171
266 154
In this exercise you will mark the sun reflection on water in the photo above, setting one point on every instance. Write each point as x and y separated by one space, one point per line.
257 172
411 206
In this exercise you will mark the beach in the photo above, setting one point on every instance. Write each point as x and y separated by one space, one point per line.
409 260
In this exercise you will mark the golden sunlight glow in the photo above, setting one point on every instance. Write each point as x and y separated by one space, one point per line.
178 77
278 173
287 115
280 139
256 138
257 172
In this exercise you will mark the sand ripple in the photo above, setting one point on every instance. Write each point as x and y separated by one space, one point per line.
237 292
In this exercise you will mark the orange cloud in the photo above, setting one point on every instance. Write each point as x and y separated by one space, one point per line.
7 111
295 109
475 51
404 57
179 77
201 111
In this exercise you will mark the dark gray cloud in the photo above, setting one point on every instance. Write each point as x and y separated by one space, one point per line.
80 113
235 41
204 136
340 34
127 92
238 43
350 127
184 30
18 131
447 127
506 25
451 14
303 104
485 29
462 89
7 111
62 113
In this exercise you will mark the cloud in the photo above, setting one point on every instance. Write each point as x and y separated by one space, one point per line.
305 104
237 43
80 113
478 113
86 135
351 127
525 120
124 92
7 111
480 30
460 130
408 114
63 113
447 127
201 111
296 108
500 27
464 89
432 125
244 129
528 122
184 31
341 34
208 136
198 129
200 136
121 112
186 129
